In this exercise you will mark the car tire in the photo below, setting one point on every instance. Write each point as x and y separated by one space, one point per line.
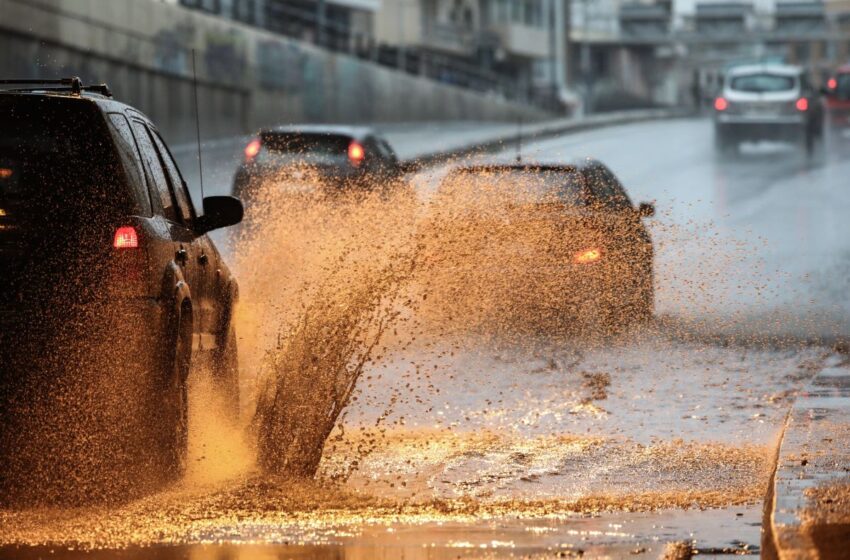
225 370
172 397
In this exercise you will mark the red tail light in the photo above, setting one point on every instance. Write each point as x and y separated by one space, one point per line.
356 153
720 104
588 256
252 149
832 83
126 237
802 104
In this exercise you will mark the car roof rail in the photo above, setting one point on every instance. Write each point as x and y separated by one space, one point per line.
74 85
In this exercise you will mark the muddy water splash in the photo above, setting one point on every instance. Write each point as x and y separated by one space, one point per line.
346 259
447 421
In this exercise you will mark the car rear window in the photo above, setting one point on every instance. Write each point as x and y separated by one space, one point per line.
763 83
59 150
517 185
316 149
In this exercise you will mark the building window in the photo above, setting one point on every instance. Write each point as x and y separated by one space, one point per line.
212 6
244 10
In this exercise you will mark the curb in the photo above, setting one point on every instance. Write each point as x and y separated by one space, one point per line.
814 454
539 131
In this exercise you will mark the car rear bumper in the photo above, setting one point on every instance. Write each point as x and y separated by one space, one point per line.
751 128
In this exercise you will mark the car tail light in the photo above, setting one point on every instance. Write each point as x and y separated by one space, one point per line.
721 104
832 83
588 256
252 149
6 173
126 237
802 104
356 153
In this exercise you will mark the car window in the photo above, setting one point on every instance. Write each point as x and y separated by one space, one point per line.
310 149
764 82
383 149
155 170
178 186
617 198
514 186
48 161
130 156
598 185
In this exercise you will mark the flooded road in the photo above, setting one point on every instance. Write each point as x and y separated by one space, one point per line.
459 444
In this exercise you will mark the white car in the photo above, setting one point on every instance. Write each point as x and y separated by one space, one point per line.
767 102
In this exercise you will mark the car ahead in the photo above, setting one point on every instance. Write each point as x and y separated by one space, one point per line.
99 237
336 157
837 100
570 231
767 102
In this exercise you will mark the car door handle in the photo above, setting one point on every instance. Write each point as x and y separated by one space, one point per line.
203 259
182 255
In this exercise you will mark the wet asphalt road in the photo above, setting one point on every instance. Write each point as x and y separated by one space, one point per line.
756 246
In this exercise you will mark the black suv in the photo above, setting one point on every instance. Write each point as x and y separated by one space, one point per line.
104 267
338 158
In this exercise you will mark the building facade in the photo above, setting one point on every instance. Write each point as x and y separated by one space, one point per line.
517 44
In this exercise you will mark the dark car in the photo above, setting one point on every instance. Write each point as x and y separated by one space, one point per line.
837 100
337 158
570 232
105 263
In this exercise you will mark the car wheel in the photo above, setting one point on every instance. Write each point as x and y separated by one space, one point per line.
174 398
226 374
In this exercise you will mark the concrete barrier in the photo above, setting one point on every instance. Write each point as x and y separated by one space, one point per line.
247 77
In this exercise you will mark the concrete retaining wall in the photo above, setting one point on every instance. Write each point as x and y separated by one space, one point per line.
247 78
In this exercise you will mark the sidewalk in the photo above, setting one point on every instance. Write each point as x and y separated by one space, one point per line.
807 510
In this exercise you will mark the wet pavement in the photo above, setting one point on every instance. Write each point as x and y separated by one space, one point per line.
540 447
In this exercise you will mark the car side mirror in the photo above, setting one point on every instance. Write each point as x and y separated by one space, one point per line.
219 212
646 210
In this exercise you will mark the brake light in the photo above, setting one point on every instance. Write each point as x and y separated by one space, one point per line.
832 83
252 149
5 172
802 104
356 153
126 237
721 104
588 256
